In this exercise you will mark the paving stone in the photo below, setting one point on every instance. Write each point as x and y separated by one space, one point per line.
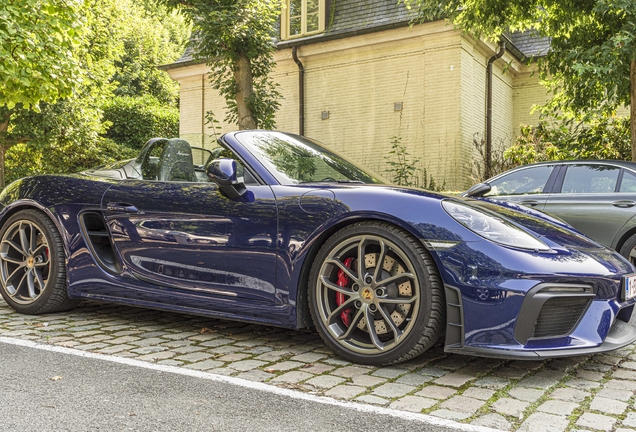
543 422
452 362
147 342
91 346
436 392
628 365
525 394
157 356
185 349
393 390
566 364
374 400
225 349
115 349
456 379
389 372
272 356
597 367
180 335
258 350
325 381
544 379
590 375
234 357
283 366
216 343
350 371
596 421
608 406
621 384
612 393
86 333
255 375
336 362
630 420
558 407
451 415
512 373
412 403
510 407
432 371
367 380
526 364
194 357
292 377
462 404
247 365
204 337
345 391
478 393
223 371
624 430
492 382
170 362
583 384
413 379
494 421
205 365
624 374
569 394
316 368
124 340
308 357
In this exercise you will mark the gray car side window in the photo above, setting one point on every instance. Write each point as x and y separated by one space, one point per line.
628 184
590 179
530 180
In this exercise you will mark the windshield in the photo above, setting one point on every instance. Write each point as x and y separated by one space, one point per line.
293 159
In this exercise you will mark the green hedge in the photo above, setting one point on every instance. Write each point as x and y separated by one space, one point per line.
134 120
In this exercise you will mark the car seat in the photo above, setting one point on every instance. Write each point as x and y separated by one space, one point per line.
175 163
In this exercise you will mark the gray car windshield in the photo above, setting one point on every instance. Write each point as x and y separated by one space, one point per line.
293 159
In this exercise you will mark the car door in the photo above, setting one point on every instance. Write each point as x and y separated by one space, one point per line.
587 199
188 235
529 186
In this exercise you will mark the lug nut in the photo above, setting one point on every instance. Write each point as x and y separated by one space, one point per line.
373 308
379 292
358 304
368 280
355 287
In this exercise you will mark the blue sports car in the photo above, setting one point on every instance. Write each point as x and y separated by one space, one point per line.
275 229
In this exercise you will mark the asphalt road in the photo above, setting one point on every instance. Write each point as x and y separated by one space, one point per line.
52 391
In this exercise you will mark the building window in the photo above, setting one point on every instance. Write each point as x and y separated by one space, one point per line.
302 17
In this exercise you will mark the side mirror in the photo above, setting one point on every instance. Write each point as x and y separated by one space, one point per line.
223 173
480 189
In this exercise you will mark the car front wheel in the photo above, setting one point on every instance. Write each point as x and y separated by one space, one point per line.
32 264
375 294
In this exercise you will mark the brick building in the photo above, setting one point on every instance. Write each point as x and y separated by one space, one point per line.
369 76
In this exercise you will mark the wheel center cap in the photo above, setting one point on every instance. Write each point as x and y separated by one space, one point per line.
366 294
30 262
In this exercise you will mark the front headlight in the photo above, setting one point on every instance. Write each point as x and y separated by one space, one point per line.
491 227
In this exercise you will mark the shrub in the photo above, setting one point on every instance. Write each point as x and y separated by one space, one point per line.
134 120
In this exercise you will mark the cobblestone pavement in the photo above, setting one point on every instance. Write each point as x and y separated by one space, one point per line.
581 393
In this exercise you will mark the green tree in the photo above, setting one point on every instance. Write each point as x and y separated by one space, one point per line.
38 61
235 38
591 65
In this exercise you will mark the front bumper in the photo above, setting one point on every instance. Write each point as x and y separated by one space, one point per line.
619 335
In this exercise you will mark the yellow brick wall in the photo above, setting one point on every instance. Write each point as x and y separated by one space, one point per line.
528 92
436 73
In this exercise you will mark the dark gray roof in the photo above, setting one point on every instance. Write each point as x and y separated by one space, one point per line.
355 17
529 43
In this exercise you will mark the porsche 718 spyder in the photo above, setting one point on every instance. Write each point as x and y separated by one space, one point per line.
273 228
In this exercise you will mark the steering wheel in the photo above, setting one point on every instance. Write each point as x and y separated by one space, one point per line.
329 179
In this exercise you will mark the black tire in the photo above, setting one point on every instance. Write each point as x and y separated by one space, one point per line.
404 295
628 250
33 265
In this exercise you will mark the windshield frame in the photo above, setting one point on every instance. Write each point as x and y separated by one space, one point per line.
246 138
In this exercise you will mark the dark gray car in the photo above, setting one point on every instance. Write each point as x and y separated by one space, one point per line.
598 198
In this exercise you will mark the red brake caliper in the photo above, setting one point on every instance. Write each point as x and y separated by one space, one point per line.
343 281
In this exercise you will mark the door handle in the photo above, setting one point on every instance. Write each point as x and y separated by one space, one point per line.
624 203
529 203
122 207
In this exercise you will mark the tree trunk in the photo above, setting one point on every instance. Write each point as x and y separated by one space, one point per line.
632 110
4 127
243 79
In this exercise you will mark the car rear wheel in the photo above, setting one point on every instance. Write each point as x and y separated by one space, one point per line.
628 250
375 294
32 264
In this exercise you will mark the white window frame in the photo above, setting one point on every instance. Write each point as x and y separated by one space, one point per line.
285 20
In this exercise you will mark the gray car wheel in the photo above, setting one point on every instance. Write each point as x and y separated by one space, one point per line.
375 294
628 250
32 264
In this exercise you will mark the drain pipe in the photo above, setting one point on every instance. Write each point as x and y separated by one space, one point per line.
301 92
491 60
